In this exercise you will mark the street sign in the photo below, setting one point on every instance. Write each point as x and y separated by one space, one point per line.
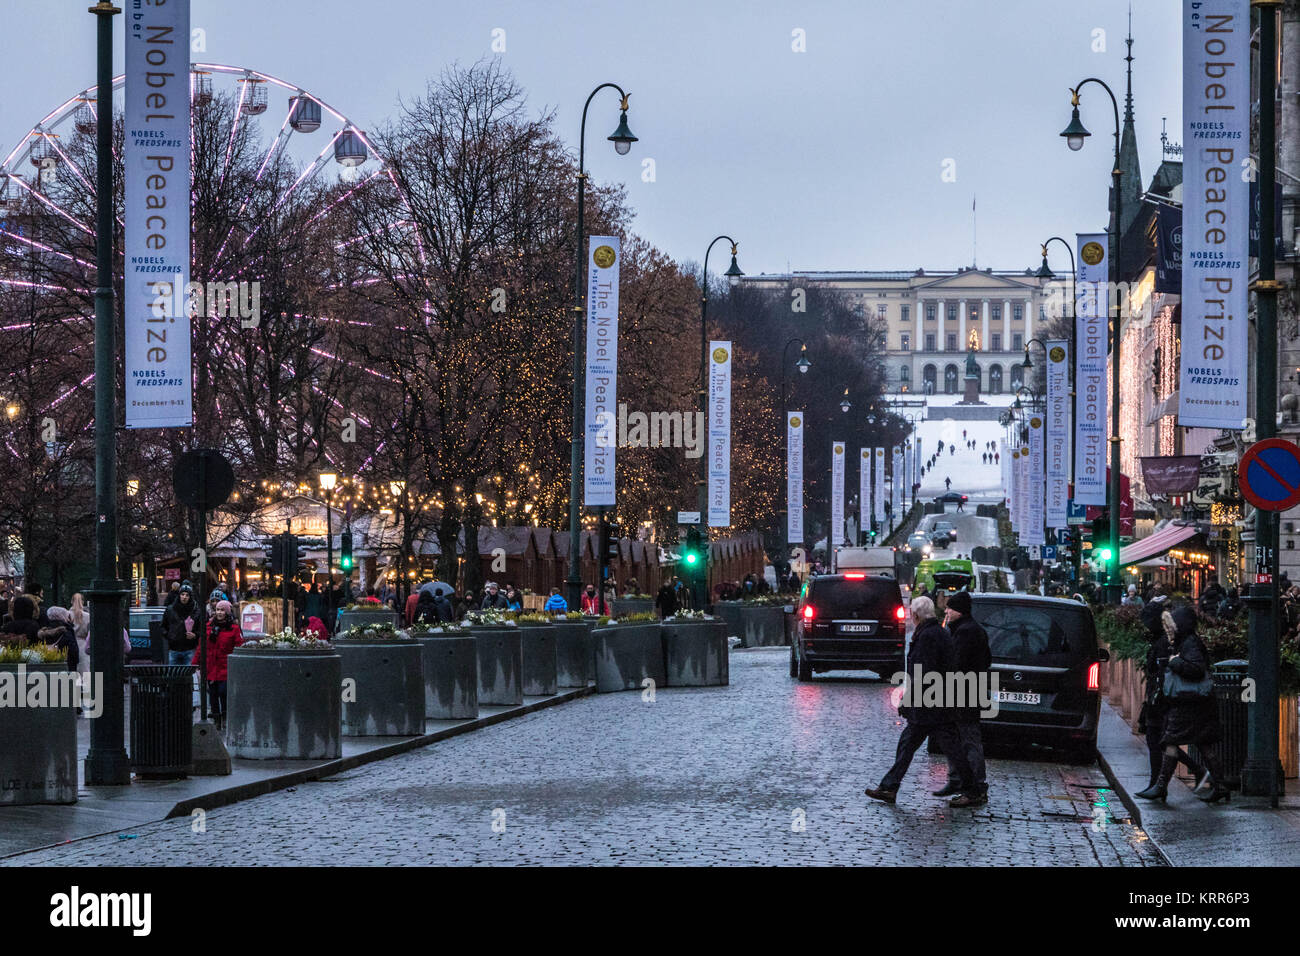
202 479
1049 552
688 517
1269 474
1076 514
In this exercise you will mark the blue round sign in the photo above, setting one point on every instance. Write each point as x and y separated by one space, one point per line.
1269 475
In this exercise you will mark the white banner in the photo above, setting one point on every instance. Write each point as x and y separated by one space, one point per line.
1216 212
878 480
1036 483
864 488
916 460
1058 432
794 482
836 536
603 258
1091 321
719 434
156 233
896 484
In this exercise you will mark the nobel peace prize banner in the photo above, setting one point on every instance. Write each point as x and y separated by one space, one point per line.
156 219
794 473
603 255
1091 322
719 434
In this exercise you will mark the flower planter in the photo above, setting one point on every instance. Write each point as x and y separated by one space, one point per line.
628 654
540 662
351 619
450 676
285 703
624 605
386 696
38 745
695 653
500 665
757 625
574 652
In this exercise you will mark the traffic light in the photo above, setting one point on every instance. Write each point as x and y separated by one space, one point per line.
1102 547
345 551
693 559
286 554
612 534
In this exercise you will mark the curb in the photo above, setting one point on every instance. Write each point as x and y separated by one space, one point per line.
1130 803
257 788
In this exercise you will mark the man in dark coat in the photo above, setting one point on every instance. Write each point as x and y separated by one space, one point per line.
666 600
929 659
973 662
24 623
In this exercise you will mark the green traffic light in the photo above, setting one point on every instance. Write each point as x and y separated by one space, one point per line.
1104 554
692 558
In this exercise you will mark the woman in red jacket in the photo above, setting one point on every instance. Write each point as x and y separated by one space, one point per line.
223 636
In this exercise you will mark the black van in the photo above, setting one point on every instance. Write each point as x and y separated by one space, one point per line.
849 621
1048 664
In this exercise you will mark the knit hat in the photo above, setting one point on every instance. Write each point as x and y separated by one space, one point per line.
225 606
959 602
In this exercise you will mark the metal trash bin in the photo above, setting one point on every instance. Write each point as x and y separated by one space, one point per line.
1233 711
162 720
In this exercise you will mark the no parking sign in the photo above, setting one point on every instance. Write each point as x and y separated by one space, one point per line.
1269 474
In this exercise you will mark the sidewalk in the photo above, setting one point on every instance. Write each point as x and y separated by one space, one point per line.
1244 832
100 810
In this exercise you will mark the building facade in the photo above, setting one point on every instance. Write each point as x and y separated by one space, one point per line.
931 319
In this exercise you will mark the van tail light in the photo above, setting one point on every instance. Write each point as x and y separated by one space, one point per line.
901 613
808 612
855 577
1094 676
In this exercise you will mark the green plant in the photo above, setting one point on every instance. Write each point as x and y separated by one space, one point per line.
636 618
1121 630
19 652
422 628
383 632
533 617
491 618
287 638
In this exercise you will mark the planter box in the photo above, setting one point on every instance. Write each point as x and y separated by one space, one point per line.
621 606
38 745
540 662
450 676
575 659
285 703
756 625
626 655
696 654
362 618
387 697
500 665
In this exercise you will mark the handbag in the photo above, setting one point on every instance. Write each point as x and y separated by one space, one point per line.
1180 688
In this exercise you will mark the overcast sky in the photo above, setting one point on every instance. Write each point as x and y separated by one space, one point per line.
832 158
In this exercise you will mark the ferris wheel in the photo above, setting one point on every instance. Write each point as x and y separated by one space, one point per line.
328 148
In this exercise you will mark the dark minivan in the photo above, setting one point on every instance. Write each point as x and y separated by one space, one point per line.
849 621
1048 664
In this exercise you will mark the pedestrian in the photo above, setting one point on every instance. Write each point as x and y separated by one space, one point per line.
1158 625
22 620
1193 716
59 633
666 599
997 458
952 449
931 653
556 604
36 593
1132 598
223 636
493 599
1211 598
963 434
182 624
1231 605
973 661
412 601
172 592
947 484
81 628
316 628
514 599
591 604
961 505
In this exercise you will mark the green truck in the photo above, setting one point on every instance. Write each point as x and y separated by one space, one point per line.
945 575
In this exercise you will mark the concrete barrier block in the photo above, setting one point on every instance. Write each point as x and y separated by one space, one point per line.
540 661
38 744
500 665
450 676
574 653
627 654
285 704
388 685
696 654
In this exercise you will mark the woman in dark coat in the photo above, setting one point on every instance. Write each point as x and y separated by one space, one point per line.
1160 630
1190 720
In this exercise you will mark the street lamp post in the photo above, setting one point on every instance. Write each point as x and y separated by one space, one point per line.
1075 134
1259 774
802 365
622 139
1045 272
106 762
327 482
733 275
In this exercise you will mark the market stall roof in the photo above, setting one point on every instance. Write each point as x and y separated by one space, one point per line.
1156 544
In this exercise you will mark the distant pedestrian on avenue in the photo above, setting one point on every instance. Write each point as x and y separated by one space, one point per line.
931 653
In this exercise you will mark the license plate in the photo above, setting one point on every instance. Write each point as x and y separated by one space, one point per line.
1018 697
857 628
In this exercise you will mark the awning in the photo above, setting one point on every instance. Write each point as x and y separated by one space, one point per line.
1155 544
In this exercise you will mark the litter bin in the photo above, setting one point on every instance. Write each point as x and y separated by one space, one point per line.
162 720
1228 676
